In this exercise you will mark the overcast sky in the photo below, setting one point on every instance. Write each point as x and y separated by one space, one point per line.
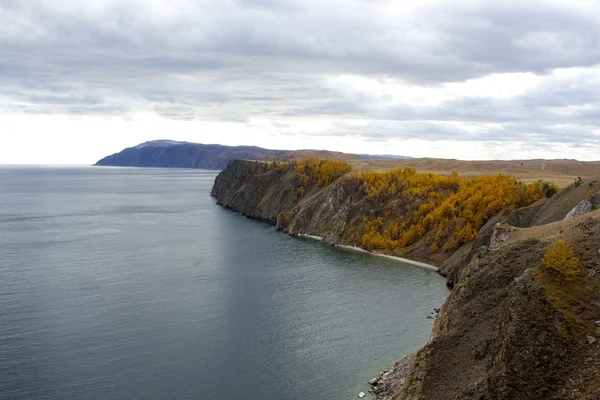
81 79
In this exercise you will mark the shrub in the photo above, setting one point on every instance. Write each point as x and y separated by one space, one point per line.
549 189
561 258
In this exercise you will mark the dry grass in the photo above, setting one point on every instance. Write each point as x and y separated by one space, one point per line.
561 172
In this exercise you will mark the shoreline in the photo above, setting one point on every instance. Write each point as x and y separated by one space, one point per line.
361 250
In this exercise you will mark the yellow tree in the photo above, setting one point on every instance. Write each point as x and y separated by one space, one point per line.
561 258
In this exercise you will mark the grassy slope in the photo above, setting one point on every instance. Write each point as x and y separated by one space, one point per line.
561 172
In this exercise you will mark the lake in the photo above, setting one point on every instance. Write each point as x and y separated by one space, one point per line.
122 283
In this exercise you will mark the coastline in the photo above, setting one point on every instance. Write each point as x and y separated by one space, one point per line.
361 250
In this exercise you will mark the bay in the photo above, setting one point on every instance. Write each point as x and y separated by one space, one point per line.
120 283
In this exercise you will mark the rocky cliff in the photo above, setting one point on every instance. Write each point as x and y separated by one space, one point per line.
335 212
510 329
424 217
255 190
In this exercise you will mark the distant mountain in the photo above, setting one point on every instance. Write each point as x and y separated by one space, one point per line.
374 156
172 154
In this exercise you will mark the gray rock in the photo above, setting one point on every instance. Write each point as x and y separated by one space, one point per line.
373 381
500 234
591 339
584 206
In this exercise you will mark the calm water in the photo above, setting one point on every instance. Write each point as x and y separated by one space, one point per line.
133 284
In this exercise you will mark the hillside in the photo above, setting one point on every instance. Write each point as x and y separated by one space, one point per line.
171 154
561 172
511 328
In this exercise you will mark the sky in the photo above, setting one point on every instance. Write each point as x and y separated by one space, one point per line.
452 79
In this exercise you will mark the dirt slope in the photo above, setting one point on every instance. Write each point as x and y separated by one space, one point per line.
514 330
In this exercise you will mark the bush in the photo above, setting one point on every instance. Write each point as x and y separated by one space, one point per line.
561 258
549 189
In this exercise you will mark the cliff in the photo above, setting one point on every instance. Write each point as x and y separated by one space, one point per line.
511 328
256 190
402 213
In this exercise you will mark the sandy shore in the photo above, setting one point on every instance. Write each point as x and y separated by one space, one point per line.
359 249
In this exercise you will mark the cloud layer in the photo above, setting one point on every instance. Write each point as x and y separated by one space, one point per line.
496 74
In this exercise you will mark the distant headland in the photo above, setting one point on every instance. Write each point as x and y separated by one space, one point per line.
174 154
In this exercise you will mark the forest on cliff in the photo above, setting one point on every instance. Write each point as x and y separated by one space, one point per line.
403 207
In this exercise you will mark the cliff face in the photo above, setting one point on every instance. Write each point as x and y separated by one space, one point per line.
255 190
335 212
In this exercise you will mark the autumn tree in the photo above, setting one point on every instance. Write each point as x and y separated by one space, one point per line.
561 258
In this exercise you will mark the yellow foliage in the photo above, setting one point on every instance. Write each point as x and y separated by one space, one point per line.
561 258
322 172
436 207
313 171
445 211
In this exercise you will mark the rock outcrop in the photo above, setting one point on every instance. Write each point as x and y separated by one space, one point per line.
585 206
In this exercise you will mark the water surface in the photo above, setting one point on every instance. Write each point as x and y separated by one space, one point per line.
120 283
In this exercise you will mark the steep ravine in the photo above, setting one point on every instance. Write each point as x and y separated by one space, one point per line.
508 330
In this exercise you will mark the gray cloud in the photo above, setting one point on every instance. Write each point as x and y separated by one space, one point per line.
236 60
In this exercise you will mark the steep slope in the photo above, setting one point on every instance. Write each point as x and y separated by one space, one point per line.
256 190
539 213
512 329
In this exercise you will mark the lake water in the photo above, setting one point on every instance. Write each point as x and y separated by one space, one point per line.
121 283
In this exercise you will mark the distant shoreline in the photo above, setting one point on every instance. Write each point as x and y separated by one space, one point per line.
361 250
